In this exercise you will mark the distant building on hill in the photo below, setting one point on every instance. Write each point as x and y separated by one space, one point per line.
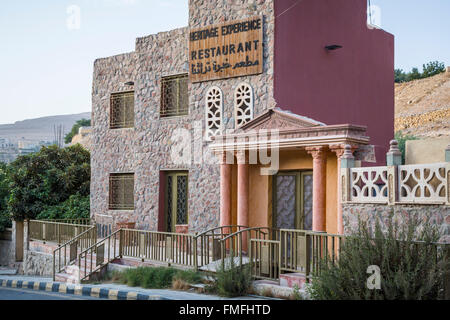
83 137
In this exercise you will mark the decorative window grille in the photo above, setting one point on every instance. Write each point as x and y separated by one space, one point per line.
214 110
369 184
176 200
121 191
422 183
174 96
243 104
122 110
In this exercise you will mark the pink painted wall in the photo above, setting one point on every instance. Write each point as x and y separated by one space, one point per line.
354 84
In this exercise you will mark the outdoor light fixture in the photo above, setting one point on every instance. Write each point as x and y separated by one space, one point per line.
129 83
333 47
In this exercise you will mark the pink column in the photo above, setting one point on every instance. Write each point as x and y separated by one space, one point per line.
242 196
319 187
339 150
225 192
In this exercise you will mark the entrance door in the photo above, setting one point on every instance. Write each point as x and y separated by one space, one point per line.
176 200
293 200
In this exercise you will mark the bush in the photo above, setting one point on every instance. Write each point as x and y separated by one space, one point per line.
156 277
232 280
430 69
408 270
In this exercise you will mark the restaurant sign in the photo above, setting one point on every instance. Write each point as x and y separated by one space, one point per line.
227 50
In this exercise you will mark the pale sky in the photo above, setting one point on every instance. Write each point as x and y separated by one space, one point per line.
47 57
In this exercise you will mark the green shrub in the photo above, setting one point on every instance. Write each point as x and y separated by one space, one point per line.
408 270
155 277
232 280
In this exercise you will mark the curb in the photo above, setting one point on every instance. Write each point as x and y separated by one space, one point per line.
79 290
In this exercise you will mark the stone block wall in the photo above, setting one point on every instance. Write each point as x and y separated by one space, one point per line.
146 148
438 215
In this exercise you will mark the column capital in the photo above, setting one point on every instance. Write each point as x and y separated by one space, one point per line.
241 157
318 153
225 157
340 149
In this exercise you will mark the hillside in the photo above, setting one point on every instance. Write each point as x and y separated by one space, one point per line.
422 107
40 128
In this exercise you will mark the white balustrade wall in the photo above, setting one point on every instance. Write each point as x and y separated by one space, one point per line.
409 184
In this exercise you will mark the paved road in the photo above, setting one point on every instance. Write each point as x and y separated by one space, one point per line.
26 294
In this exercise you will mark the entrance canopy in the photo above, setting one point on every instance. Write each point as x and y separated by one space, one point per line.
279 130
294 132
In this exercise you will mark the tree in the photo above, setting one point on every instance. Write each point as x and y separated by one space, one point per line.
75 128
433 68
47 179
430 69
5 219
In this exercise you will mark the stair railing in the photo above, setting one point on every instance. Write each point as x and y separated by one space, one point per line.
238 244
209 243
105 251
67 253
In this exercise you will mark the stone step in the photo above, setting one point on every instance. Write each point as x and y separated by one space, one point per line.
291 279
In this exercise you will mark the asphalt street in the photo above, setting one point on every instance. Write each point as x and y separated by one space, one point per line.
27 294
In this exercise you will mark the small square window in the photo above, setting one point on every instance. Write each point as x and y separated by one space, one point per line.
121 191
122 110
174 96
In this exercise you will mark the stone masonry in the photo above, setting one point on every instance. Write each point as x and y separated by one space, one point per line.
146 148
437 215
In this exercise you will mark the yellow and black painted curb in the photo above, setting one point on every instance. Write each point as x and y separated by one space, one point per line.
79 290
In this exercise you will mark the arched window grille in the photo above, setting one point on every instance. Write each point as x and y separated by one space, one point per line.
243 104
214 110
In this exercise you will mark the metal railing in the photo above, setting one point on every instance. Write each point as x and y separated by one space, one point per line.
176 248
209 245
50 231
83 221
103 252
67 253
265 259
237 244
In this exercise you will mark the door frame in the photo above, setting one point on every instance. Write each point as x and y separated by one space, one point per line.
174 175
299 198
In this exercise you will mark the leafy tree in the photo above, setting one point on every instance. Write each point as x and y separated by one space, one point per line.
48 178
400 76
5 219
413 75
430 69
75 128
433 68
76 207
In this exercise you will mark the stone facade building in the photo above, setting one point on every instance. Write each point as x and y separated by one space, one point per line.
135 175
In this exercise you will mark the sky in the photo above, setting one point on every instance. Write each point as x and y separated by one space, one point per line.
48 47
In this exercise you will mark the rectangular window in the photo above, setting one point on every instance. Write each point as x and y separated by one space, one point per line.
176 200
174 96
122 110
121 191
